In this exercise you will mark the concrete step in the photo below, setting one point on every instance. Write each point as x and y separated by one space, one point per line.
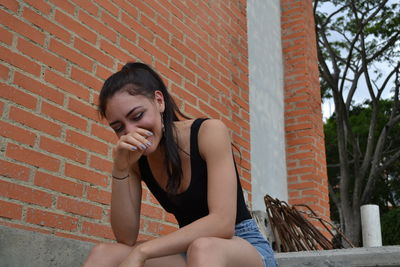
25 248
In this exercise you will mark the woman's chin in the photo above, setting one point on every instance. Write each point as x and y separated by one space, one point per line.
148 151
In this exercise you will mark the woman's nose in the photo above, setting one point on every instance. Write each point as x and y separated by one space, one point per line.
130 127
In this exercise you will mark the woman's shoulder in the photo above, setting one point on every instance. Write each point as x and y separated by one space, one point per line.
213 126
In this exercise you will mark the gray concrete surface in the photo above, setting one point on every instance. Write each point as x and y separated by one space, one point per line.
268 154
377 256
21 248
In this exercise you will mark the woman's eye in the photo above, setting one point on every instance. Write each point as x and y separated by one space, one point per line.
119 129
138 116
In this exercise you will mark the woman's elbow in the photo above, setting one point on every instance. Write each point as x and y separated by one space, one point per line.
126 241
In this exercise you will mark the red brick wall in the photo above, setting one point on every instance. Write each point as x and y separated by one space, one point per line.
306 162
54 55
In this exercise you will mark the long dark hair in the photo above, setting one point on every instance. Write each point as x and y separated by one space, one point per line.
140 79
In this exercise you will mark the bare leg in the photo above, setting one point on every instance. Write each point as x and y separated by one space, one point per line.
112 254
219 252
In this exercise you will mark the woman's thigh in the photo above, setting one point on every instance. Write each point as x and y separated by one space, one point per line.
213 251
112 254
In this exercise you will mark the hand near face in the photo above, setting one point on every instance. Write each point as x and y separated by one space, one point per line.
130 148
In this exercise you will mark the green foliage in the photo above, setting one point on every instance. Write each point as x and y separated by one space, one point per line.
387 187
390 225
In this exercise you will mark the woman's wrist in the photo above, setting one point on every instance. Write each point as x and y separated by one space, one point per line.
120 174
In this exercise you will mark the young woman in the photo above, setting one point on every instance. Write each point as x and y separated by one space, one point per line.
188 166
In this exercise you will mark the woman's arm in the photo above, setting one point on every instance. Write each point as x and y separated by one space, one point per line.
215 149
126 194
126 198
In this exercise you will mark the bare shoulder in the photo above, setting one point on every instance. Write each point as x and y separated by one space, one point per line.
213 127
213 137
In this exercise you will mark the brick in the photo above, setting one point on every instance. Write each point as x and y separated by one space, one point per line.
59 148
95 229
25 194
17 96
140 28
114 51
178 91
6 37
185 50
64 5
167 73
127 7
15 171
137 51
19 61
67 85
41 55
79 207
144 8
86 142
76 237
4 72
103 74
22 28
101 164
151 211
32 157
87 79
160 228
93 52
35 122
51 219
87 6
104 133
153 50
38 88
58 184
70 54
86 175
16 133
46 25
125 31
11 5
10 210
169 49
99 27
98 195
39 5
74 26
63 116
169 217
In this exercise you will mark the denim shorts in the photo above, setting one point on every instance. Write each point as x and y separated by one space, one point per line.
248 230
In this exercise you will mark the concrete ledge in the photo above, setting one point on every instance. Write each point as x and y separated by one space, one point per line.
378 256
26 248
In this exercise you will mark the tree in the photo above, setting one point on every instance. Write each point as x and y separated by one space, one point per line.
353 43
387 186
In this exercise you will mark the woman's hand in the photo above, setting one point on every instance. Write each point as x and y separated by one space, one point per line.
129 149
135 259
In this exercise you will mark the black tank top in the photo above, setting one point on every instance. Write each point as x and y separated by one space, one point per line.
191 204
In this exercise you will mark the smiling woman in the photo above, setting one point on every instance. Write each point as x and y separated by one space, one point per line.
188 166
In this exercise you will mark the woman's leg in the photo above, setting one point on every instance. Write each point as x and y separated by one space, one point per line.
112 254
219 252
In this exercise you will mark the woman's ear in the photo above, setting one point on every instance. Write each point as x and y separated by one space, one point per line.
159 100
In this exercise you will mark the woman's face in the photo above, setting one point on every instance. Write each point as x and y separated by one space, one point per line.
125 113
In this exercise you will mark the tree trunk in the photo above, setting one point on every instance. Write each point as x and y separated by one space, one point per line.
353 226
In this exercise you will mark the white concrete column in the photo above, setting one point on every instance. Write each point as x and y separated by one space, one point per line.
371 226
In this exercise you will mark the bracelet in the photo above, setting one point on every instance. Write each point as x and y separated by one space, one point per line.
120 178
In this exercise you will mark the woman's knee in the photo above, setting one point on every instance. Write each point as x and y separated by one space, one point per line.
204 250
106 254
